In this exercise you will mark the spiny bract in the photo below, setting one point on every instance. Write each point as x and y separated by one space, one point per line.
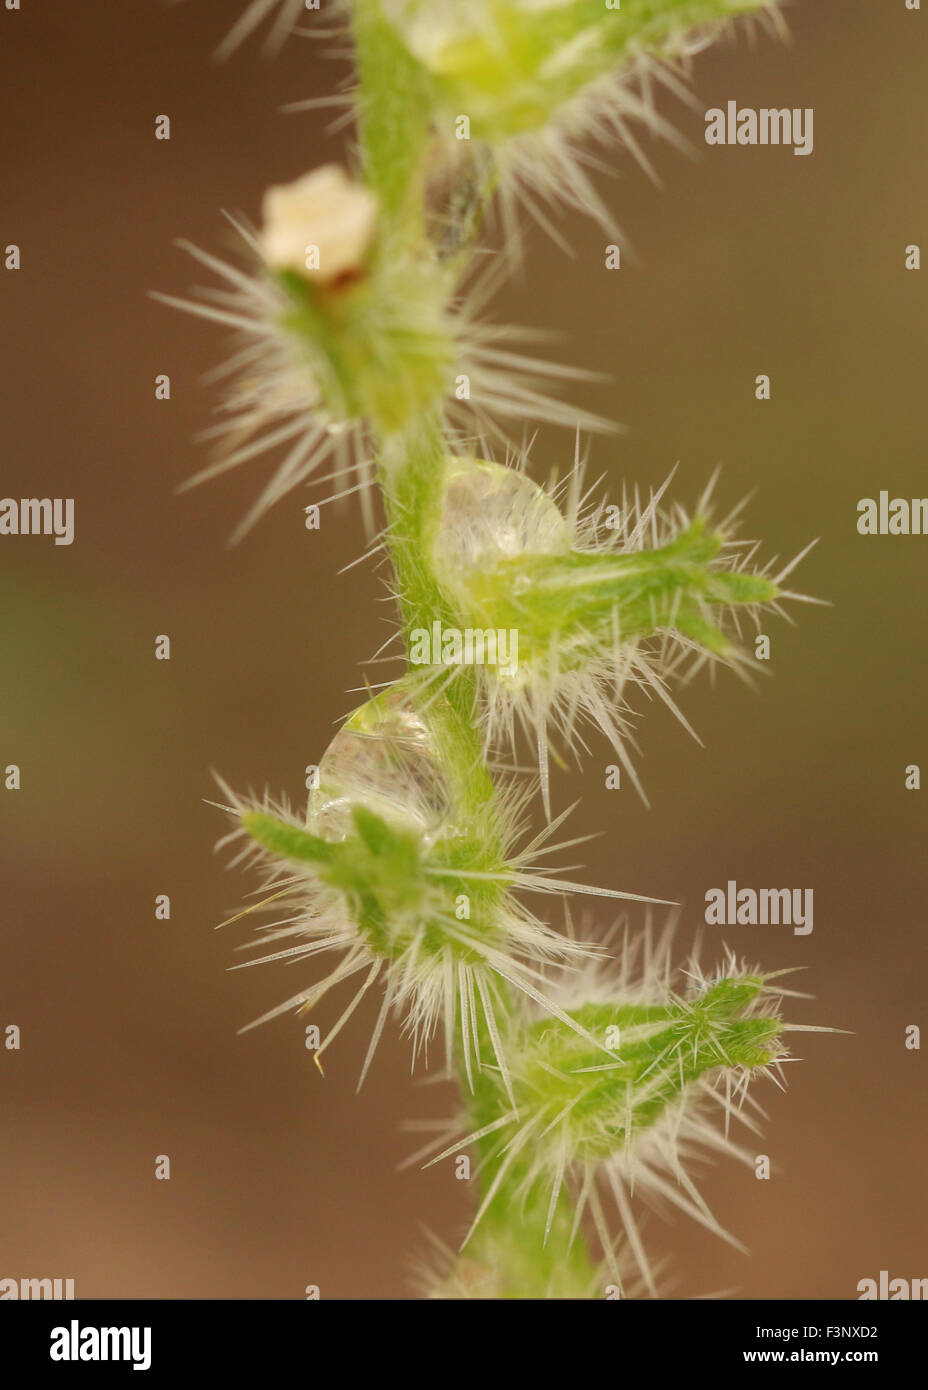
597 599
396 873
540 81
632 1124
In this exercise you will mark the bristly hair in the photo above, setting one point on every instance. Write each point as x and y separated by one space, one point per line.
439 1272
643 1144
274 401
253 16
582 97
578 677
556 166
440 973
558 698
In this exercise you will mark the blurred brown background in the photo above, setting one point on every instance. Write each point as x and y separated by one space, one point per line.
744 261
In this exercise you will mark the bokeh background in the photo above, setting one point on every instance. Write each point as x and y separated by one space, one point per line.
742 261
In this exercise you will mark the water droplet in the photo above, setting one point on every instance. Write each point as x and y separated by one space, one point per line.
493 513
384 759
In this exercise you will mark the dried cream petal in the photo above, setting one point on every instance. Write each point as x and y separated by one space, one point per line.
320 226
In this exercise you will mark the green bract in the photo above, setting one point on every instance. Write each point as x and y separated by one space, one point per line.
377 347
601 1107
511 66
397 893
516 569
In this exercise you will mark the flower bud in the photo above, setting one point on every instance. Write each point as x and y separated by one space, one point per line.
348 336
321 227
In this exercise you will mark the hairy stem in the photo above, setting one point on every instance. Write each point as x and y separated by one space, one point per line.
533 1249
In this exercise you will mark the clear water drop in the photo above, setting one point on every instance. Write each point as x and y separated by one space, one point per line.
492 513
384 758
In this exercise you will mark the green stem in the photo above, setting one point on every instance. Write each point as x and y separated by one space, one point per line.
395 140
394 104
